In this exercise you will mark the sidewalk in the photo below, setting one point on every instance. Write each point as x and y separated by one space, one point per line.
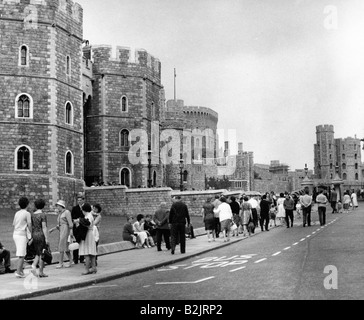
110 266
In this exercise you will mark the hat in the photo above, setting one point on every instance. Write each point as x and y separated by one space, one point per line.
61 203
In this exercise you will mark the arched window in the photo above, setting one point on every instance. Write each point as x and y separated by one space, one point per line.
343 156
331 166
344 166
23 158
356 156
23 56
24 106
344 176
124 104
68 65
153 111
124 138
125 177
154 179
356 166
356 176
69 163
69 113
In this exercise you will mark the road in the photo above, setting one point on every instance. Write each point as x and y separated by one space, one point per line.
317 263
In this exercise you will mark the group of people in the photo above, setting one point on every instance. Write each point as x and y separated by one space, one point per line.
168 224
80 226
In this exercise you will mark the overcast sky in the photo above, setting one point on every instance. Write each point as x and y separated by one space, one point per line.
272 69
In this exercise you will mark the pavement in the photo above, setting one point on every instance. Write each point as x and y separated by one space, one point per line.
111 266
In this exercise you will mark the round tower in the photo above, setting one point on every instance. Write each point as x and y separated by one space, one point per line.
325 152
41 121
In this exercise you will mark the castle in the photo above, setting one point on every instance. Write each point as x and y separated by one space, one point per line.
71 113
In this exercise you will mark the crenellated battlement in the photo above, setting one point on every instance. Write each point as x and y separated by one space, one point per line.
325 128
125 56
200 112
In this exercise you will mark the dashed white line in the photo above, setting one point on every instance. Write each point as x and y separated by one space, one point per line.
261 260
303 239
238 269
287 248
308 236
276 254
295 244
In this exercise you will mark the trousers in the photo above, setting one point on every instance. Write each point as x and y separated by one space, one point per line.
322 215
165 233
289 216
306 215
178 236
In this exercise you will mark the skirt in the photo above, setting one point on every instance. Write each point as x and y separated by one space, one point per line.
210 224
64 233
142 237
88 246
21 245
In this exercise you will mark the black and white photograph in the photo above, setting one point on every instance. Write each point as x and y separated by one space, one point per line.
179 155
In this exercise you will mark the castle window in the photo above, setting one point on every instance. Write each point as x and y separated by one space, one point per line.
344 166
124 104
344 176
331 166
124 138
69 163
69 113
68 65
343 156
23 159
24 56
356 176
185 176
356 166
125 177
153 111
24 106
356 156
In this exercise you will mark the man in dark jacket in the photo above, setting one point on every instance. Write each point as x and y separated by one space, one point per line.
288 205
161 219
178 216
77 213
264 213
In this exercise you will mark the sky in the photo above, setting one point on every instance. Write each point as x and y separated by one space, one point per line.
272 69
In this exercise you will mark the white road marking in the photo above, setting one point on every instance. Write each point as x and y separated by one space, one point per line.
287 248
172 268
308 236
261 260
186 282
238 269
276 254
295 244
303 239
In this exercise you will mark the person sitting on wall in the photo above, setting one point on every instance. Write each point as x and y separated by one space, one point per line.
128 230
5 260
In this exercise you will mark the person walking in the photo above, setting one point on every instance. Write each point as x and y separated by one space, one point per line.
208 218
346 202
306 203
321 201
77 213
21 223
264 213
333 200
65 228
246 216
255 207
40 237
354 200
216 204
178 216
88 246
161 220
288 205
226 217
281 214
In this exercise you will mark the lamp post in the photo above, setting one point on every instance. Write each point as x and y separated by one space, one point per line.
181 166
149 168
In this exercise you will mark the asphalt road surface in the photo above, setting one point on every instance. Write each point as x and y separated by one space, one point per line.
317 263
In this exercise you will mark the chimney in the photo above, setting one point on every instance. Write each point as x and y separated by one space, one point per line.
240 148
226 152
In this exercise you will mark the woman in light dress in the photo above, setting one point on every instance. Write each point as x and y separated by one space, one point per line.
354 200
246 216
88 246
65 228
138 227
22 223
281 214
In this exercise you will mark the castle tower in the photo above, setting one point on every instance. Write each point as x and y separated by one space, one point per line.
41 121
127 101
325 152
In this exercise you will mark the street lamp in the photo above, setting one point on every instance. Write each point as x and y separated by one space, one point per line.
149 168
181 166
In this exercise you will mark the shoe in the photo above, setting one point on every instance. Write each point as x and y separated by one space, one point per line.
267 230
43 275
59 266
67 265
34 272
86 273
172 251
94 271
19 275
8 270
304 226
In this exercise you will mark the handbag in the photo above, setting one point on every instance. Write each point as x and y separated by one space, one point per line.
233 227
47 255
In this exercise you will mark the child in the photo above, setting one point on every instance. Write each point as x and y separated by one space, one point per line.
299 210
272 215
237 221
339 207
